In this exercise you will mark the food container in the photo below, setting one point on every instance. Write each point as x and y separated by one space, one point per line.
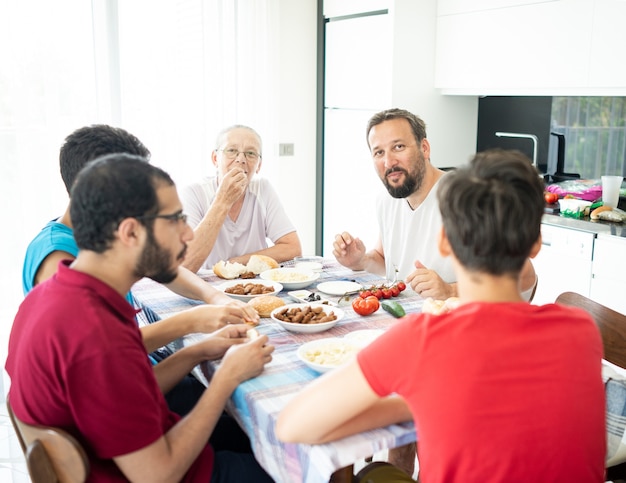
573 208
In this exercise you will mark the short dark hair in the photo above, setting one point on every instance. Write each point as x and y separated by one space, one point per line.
417 125
90 142
491 211
108 190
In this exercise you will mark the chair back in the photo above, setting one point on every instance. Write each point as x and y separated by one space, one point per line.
52 455
612 325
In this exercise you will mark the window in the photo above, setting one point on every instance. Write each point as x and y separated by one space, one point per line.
595 134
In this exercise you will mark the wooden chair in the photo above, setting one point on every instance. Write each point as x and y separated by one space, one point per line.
52 455
612 327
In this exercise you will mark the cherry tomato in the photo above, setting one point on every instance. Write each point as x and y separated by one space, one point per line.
401 286
395 291
365 293
551 198
365 306
378 293
386 293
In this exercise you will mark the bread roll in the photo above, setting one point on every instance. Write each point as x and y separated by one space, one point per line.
260 263
256 264
252 334
228 270
432 306
264 304
595 213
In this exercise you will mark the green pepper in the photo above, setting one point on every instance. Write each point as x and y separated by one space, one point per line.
393 307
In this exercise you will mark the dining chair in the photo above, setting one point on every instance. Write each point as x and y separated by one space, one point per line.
52 455
612 327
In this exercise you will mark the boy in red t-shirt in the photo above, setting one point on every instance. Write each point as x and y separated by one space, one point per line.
499 390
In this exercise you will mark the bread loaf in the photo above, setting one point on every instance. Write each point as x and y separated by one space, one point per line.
256 264
260 263
432 306
229 270
595 214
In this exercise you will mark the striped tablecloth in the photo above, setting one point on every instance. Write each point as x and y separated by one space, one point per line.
256 403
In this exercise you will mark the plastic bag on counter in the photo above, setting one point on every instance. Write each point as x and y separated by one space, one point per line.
583 189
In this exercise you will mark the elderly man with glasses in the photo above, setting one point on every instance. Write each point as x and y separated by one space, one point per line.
234 213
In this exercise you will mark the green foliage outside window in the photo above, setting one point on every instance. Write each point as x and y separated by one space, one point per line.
595 134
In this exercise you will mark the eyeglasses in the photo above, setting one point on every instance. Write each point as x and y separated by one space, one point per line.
176 217
232 153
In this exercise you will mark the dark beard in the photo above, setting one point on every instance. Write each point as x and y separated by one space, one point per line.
405 189
155 262
412 182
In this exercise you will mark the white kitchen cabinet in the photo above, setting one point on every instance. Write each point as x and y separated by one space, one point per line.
564 263
515 47
607 68
608 285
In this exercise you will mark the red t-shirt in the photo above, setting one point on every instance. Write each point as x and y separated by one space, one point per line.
77 361
498 392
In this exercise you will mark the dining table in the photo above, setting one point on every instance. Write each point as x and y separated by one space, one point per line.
256 403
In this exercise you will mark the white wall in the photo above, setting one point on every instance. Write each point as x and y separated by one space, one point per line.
451 122
294 176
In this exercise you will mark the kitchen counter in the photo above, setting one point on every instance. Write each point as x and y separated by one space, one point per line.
592 226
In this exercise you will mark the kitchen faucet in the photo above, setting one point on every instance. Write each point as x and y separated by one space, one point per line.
522 135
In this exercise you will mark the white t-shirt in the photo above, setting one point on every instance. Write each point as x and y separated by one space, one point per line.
262 217
408 235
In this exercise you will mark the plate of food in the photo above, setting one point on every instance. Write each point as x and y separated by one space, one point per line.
307 318
290 278
323 355
339 287
248 289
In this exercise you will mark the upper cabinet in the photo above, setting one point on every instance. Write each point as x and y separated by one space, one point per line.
524 47
607 68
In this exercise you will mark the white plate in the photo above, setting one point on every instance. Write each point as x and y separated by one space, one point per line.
277 287
363 337
339 287
307 297
323 355
308 328
290 278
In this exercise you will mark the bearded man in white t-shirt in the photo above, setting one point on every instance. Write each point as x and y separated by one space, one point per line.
409 220
409 224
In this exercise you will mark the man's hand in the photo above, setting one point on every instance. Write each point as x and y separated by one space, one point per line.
349 251
209 318
247 360
427 283
232 186
216 345
249 315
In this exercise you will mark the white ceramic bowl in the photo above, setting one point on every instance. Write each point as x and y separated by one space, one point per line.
291 278
275 286
363 337
313 263
323 355
308 328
